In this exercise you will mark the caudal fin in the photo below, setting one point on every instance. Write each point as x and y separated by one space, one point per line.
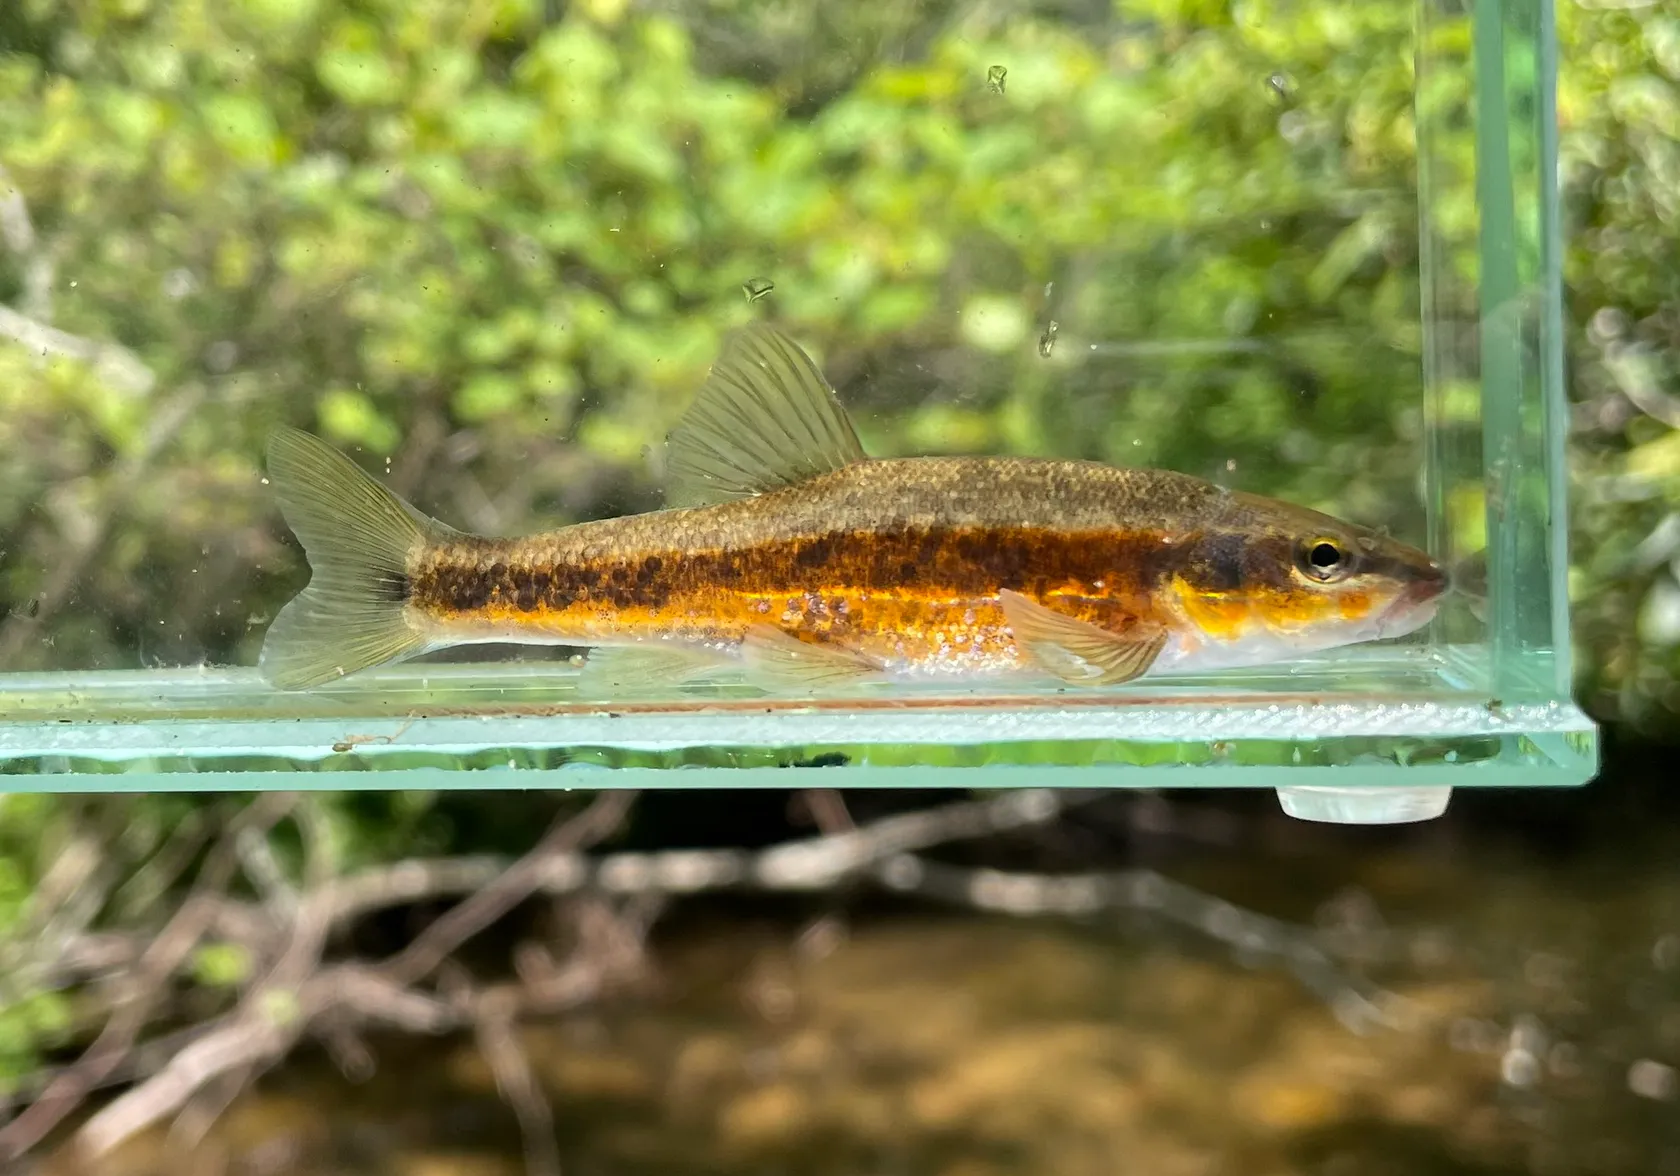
359 538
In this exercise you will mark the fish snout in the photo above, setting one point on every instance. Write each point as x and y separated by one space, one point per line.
1415 604
1429 581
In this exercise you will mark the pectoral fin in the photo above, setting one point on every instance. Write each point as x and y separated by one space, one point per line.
782 663
1075 650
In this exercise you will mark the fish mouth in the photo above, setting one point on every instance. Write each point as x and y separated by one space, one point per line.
1430 584
1415 606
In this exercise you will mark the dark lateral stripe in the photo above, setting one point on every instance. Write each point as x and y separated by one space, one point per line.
461 583
967 561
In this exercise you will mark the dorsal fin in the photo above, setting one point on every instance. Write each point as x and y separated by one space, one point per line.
765 418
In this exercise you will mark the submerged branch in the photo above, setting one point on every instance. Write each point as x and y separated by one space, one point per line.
494 1028
1082 895
141 989
610 902
509 888
554 870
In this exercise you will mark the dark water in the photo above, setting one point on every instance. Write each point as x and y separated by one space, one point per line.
1532 944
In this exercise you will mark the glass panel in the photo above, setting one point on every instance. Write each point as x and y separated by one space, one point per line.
490 252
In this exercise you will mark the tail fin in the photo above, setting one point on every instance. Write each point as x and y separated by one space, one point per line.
359 537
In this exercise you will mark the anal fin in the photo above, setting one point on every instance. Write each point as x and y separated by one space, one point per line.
1077 651
782 663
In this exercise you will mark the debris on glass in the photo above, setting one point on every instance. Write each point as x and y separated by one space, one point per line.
757 289
995 78
1047 341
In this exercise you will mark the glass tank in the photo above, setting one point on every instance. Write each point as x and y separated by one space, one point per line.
495 252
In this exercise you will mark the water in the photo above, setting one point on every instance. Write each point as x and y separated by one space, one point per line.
1533 1026
493 258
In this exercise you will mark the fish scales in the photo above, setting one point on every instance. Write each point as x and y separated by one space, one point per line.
903 557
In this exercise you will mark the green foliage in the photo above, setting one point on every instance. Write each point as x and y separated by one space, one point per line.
498 244
500 247
1620 108
33 830
221 965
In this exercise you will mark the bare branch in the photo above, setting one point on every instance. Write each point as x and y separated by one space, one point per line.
153 880
116 365
518 1085
1356 1003
256 857
645 878
18 233
807 864
815 863
59 910
347 1050
335 995
240 1043
363 993
16 229
611 902
320 862
1634 369
202 1111
827 809
263 1031
516 884
141 990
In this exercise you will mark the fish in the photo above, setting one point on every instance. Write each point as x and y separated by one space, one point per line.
788 553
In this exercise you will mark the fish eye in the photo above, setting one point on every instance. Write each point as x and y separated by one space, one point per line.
1323 560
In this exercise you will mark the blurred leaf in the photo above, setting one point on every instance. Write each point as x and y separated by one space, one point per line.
221 965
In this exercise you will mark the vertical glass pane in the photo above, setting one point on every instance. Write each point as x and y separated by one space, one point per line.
1492 319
